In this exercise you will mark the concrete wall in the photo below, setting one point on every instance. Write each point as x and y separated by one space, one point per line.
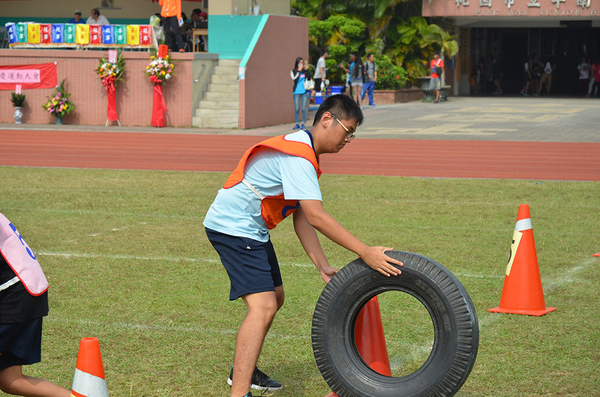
231 35
134 95
266 92
227 7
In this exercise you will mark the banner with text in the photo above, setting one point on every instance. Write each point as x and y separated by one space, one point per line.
28 77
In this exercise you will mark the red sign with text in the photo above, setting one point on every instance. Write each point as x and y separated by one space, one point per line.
46 33
96 34
28 76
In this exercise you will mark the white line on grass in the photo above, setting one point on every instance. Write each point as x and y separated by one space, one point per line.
160 328
484 320
82 212
208 260
148 258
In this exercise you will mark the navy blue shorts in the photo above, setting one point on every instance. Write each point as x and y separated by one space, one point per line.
251 265
21 343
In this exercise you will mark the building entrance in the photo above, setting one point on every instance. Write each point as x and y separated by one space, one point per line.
564 46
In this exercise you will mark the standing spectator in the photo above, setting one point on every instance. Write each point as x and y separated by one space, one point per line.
526 77
482 75
584 76
357 78
371 78
349 73
591 86
300 75
437 70
536 74
321 72
171 19
548 69
489 72
97 19
76 18
497 69
596 88
23 304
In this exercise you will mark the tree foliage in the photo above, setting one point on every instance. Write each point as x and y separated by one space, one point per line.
404 36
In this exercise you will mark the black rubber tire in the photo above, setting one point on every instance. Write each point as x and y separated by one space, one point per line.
456 330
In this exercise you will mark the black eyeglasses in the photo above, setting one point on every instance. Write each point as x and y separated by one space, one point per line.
349 134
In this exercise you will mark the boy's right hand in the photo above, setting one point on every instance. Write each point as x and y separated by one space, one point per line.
376 258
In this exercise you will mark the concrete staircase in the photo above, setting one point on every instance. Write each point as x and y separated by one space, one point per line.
219 107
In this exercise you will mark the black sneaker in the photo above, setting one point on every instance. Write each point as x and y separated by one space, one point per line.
260 381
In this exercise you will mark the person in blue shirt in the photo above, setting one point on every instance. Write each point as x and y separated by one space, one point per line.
300 74
281 168
349 72
76 18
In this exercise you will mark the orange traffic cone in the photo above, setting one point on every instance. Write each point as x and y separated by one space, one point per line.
597 254
522 292
370 339
89 380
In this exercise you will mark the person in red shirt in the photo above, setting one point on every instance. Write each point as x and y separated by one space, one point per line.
596 73
437 69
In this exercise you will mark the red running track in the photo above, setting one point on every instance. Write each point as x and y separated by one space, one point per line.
393 157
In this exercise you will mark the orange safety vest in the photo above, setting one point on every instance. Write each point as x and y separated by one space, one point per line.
274 209
170 8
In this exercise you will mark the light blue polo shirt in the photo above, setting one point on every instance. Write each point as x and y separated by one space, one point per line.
236 211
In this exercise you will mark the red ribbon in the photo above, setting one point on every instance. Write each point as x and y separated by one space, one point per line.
159 107
111 113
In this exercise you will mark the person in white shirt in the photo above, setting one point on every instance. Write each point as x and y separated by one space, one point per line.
97 19
584 76
547 70
275 179
320 72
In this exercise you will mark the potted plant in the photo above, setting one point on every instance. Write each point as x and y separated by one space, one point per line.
59 104
18 100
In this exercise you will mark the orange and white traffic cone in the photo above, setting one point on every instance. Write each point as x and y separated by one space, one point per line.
522 292
89 379
370 339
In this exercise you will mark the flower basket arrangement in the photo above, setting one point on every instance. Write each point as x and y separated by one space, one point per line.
159 71
110 74
59 104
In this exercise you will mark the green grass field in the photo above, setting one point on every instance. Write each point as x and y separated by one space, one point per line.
128 262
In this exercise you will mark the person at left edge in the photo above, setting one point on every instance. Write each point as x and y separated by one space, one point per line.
23 304
275 178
